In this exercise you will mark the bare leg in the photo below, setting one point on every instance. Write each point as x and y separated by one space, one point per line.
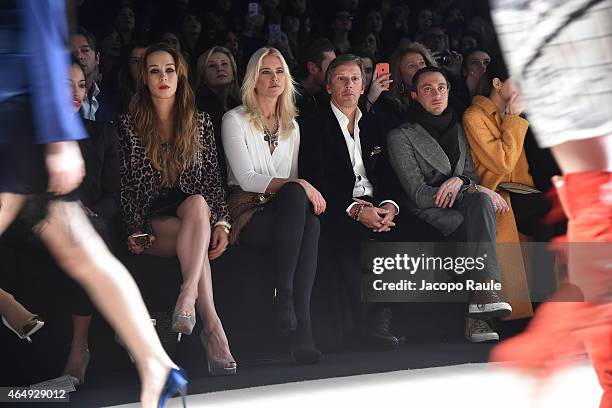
218 346
10 204
169 242
82 254
578 156
78 359
190 245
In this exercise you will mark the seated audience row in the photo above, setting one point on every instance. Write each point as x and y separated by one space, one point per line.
332 181
262 145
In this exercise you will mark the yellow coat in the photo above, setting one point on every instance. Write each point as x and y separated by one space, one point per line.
498 153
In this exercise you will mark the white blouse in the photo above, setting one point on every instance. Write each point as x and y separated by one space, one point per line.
250 163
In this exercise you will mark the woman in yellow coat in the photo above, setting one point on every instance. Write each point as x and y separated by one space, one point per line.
496 133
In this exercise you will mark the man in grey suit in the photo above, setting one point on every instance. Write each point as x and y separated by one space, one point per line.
433 162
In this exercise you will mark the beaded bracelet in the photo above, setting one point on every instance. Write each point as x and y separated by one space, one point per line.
355 210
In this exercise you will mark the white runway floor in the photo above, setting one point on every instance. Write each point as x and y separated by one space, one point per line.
469 386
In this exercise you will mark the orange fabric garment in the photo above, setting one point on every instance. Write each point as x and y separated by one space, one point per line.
497 144
498 153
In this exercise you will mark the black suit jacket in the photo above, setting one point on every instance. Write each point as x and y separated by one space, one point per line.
325 162
100 189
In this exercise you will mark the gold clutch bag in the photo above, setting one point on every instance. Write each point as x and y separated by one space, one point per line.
516 188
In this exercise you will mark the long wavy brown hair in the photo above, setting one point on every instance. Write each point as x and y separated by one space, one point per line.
183 149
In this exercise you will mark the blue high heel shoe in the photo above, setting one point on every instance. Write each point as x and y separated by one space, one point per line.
176 383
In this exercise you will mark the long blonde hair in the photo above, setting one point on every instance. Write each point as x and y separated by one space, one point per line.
285 106
203 61
186 144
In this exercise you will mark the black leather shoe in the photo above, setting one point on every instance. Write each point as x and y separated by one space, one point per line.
377 334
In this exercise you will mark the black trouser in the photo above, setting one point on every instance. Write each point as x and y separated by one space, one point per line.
479 233
288 227
343 237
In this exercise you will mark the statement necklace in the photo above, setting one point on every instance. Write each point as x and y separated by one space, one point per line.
271 136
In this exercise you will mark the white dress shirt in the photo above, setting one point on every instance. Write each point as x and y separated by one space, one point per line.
363 186
250 163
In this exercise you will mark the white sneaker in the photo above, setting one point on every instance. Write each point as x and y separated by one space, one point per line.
478 331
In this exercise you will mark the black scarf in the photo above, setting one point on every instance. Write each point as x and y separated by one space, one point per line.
443 128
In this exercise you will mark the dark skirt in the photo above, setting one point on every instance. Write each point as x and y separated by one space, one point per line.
167 203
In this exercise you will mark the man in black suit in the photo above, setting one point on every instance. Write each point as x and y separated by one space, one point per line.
342 155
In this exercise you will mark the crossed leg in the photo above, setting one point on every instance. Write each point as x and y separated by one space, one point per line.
188 236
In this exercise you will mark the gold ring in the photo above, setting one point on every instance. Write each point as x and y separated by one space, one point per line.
449 194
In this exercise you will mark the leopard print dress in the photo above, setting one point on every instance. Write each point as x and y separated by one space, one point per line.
141 182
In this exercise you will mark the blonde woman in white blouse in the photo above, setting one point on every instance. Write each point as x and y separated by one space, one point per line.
270 206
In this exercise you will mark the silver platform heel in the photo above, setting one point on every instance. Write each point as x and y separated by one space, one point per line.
217 367
182 324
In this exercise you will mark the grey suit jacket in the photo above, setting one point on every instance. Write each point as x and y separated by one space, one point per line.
422 166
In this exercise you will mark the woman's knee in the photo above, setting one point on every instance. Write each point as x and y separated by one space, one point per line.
195 205
293 192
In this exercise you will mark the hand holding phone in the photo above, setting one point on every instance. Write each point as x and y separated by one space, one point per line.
138 242
382 68
144 240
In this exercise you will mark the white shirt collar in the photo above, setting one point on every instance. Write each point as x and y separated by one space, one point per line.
96 89
342 118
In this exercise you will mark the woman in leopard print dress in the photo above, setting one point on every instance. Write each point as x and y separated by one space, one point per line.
171 194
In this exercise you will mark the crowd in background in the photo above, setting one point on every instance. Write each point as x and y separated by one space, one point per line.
218 57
